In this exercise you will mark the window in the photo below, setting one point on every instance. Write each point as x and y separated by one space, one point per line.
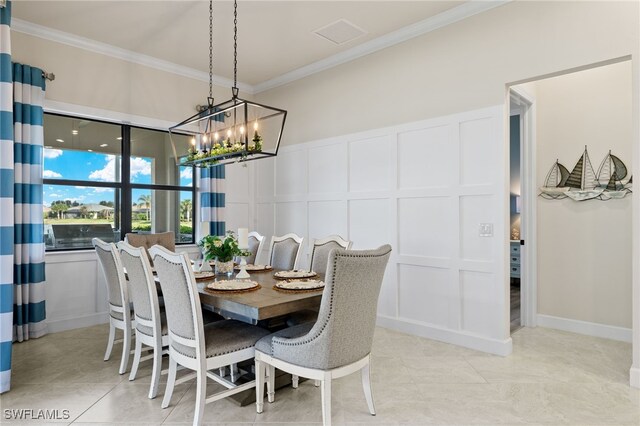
104 180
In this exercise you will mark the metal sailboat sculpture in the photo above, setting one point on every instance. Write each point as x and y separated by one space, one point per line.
584 184
582 181
610 175
554 184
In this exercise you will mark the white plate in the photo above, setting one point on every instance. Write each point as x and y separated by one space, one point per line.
249 267
296 273
203 275
232 285
300 284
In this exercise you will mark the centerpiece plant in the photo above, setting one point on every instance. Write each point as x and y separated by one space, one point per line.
223 250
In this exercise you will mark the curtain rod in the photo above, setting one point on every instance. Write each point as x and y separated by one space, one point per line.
49 75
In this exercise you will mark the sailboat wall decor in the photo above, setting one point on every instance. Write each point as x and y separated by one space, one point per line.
583 183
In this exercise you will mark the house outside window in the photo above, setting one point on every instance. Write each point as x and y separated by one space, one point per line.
104 180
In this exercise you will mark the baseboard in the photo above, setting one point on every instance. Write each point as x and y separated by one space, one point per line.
454 337
55 326
587 328
634 377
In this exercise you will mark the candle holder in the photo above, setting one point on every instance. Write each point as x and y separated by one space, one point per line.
205 266
243 274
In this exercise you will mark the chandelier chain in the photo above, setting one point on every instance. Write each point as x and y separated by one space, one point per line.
210 48
235 45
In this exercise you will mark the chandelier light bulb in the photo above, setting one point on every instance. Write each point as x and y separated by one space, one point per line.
229 133
255 125
242 130
193 141
204 138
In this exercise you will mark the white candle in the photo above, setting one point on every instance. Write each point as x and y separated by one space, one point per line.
243 238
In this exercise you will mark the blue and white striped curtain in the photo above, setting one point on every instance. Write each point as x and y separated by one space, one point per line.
6 199
28 269
212 199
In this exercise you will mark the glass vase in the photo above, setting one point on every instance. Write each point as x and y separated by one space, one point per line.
224 268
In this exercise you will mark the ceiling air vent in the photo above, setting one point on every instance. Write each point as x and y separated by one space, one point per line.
340 32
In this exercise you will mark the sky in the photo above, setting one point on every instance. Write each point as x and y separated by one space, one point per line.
92 166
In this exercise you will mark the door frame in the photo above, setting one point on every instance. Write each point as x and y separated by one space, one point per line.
525 103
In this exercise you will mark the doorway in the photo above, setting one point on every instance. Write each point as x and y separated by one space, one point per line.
568 279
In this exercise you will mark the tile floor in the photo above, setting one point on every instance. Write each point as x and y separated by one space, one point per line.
552 377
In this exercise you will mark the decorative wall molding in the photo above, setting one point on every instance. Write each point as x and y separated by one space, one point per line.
425 26
90 45
423 187
460 338
57 325
82 111
417 29
621 334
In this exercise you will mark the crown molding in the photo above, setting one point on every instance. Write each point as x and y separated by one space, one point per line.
90 45
440 20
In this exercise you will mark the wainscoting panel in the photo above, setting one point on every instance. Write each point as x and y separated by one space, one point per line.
369 164
425 188
475 210
477 150
68 298
237 215
291 217
425 157
429 285
425 227
237 179
291 173
367 215
479 307
265 178
327 218
328 169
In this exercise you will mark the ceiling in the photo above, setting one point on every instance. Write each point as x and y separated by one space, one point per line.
274 37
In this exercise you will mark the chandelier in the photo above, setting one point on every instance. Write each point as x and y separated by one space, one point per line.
232 131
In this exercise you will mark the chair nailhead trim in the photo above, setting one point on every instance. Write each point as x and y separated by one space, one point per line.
325 323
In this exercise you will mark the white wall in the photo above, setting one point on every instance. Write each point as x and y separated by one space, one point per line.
422 187
93 80
460 67
584 248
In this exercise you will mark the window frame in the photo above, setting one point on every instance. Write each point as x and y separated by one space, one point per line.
124 188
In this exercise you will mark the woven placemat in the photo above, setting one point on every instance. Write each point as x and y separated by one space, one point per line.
246 290
284 290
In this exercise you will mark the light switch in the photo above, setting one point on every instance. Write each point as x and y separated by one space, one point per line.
486 230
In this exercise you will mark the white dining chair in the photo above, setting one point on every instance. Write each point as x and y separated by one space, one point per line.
203 349
255 247
319 258
284 251
339 343
118 295
151 322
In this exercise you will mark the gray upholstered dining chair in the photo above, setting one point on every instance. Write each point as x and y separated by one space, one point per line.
255 246
150 320
321 249
284 251
193 345
118 295
339 343
318 263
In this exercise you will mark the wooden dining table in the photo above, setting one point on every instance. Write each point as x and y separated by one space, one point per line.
265 307
260 305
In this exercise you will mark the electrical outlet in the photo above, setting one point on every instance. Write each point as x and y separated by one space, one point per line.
486 230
